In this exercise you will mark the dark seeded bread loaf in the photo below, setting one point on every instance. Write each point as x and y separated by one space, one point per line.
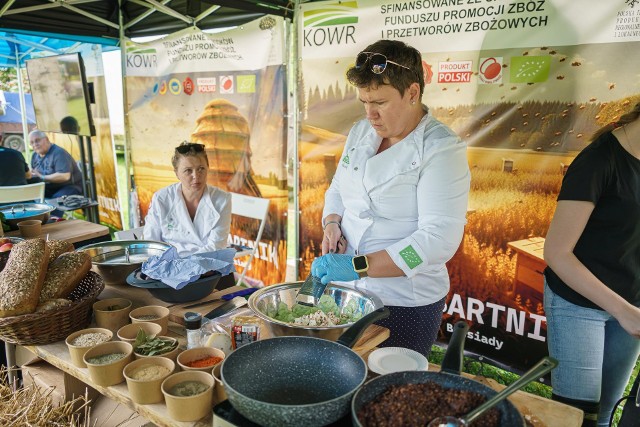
64 274
57 248
22 278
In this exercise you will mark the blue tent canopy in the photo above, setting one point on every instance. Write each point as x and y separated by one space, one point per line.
24 45
12 113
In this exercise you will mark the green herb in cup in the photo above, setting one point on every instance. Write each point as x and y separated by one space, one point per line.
147 345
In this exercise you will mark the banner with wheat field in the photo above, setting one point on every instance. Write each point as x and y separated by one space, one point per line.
226 91
525 84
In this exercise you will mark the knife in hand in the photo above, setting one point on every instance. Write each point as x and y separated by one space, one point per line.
226 297
226 308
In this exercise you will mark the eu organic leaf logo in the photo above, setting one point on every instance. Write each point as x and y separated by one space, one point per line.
530 69
411 257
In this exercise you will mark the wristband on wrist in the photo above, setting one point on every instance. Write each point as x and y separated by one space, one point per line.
324 226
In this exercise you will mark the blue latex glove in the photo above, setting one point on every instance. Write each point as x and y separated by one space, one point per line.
334 267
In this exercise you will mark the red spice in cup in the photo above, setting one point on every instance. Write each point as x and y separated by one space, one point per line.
204 363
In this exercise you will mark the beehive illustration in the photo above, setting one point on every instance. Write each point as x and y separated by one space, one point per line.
225 135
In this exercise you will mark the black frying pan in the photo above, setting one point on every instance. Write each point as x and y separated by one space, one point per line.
297 381
449 377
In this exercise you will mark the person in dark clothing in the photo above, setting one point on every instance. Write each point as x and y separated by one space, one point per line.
55 166
592 282
14 170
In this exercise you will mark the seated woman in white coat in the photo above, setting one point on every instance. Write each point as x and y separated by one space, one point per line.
191 215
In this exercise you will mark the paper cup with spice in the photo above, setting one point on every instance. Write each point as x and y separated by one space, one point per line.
112 313
200 359
152 313
79 342
145 346
144 378
106 362
129 332
188 395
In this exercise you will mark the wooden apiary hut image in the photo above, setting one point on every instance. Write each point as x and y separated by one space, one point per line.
225 134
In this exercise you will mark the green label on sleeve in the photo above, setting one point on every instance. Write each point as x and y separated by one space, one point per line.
411 257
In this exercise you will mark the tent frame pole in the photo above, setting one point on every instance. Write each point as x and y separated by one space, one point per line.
127 135
23 109
293 79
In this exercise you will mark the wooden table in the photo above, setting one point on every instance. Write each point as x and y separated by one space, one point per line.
57 353
71 230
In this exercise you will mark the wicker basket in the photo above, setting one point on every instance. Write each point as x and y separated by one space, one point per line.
54 325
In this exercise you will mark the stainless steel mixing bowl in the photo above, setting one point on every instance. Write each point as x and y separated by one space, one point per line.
268 298
115 260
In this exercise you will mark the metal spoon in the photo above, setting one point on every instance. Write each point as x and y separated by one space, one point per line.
540 368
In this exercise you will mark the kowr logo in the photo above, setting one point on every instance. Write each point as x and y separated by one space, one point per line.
331 25
139 57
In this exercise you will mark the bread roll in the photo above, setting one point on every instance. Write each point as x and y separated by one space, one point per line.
57 248
64 274
22 278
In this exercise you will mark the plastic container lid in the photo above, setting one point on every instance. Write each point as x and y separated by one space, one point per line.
192 320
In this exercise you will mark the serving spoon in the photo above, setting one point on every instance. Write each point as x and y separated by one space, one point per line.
538 370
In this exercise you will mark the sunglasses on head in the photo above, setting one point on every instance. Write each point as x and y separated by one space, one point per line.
377 61
185 147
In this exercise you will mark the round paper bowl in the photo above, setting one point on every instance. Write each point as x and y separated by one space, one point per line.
147 391
77 352
161 316
173 354
30 227
111 373
129 332
198 353
219 395
107 317
188 408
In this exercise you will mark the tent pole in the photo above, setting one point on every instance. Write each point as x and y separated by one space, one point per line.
127 137
23 109
293 81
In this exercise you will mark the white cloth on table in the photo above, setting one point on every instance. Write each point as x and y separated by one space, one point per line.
178 272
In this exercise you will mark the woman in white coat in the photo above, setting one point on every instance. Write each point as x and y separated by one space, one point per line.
396 208
191 215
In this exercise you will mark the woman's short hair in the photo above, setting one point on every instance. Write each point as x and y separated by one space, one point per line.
396 76
188 149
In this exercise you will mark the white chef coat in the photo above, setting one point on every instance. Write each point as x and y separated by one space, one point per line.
410 200
168 220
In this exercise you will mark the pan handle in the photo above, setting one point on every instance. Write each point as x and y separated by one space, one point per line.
353 334
452 362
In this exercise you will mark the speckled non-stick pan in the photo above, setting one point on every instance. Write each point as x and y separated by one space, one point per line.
448 377
297 381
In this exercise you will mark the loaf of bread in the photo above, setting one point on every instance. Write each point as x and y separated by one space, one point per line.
57 248
22 278
64 274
